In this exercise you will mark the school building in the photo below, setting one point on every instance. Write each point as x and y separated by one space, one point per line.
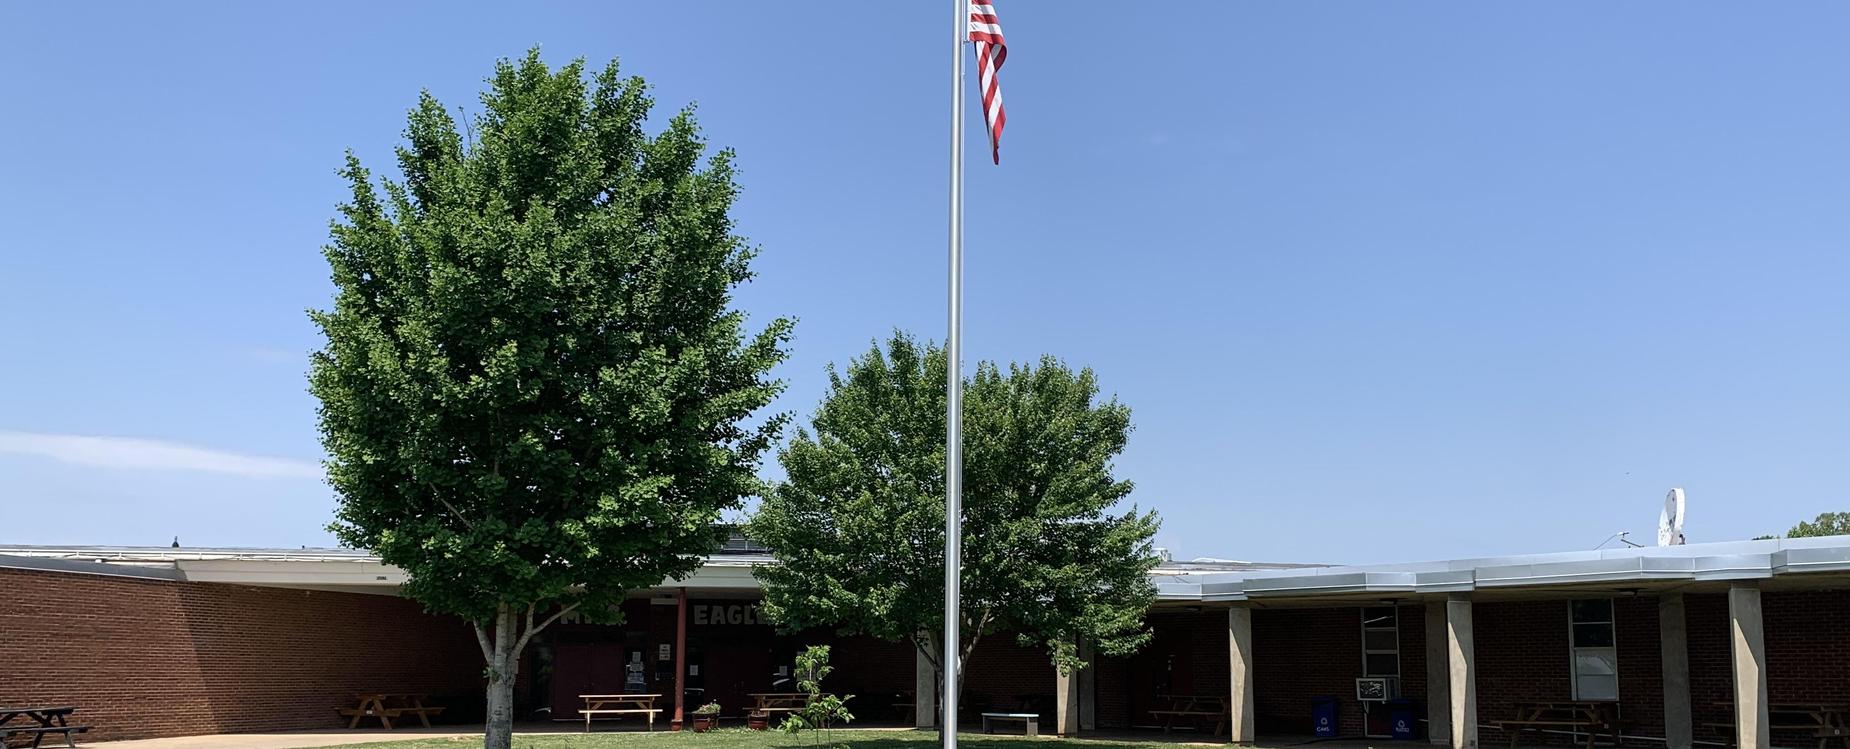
1744 643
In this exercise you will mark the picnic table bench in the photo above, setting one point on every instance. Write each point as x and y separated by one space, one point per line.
1192 708
1591 717
1031 722
619 705
388 705
39 722
1822 722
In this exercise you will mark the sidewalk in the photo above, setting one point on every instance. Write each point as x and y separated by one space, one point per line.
311 739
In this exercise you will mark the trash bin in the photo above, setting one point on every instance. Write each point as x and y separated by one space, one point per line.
1403 719
1323 713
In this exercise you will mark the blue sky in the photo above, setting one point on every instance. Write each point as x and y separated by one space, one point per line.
1380 281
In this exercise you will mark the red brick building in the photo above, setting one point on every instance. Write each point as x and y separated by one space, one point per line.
1675 644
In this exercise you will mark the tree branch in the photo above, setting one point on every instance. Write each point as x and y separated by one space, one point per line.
531 628
467 523
481 638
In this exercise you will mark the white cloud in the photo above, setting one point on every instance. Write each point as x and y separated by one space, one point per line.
133 453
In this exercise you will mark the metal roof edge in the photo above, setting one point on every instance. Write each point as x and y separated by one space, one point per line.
73 566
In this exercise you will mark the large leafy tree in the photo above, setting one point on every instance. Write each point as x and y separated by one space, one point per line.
1827 524
535 394
857 527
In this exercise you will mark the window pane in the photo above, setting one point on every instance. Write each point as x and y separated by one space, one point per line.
1596 687
1378 616
1603 662
1380 639
1592 610
1381 664
1593 635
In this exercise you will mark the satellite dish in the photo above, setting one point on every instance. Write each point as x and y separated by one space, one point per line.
1670 523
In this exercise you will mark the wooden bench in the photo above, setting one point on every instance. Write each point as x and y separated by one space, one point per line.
375 706
45 721
1198 709
619 705
1031 722
1591 718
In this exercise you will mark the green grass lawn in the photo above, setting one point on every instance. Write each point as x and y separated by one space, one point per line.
739 738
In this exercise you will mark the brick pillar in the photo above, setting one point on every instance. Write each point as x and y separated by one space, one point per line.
1438 691
1753 730
1462 671
1240 660
1673 636
1088 688
924 692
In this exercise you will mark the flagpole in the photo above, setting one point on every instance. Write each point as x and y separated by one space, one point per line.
954 390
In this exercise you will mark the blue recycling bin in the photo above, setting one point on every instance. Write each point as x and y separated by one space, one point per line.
1323 714
1403 719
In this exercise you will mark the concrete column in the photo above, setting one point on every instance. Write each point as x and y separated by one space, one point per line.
1438 667
1088 688
1066 703
1673 636
924 692
1240 659
1461 671
1752 728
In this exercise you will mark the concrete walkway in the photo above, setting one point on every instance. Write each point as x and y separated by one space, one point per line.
296 740
311 739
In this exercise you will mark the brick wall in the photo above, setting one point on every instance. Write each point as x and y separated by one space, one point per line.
1808 654
1005 675
144 658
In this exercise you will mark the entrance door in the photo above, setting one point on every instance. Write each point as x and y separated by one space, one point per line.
1162 668
584 668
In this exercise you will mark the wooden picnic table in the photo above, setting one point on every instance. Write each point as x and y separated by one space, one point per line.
40 722
388 705
765 703
1191 707
1824 722
1593 717
619 704
906 704
779 702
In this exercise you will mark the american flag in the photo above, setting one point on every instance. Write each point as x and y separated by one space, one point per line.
986 34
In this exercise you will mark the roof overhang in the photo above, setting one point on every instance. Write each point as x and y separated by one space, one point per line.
1813 562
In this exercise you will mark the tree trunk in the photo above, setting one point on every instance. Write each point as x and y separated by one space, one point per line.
503 665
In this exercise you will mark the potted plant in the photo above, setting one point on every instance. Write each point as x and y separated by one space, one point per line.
758 720
706 717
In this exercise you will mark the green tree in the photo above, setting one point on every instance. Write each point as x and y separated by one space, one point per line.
1827 524
858 526
534 393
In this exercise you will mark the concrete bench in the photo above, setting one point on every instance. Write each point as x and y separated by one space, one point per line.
650 712
1031 722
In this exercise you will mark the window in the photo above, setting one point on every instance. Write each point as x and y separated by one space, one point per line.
1381 641
1595 651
